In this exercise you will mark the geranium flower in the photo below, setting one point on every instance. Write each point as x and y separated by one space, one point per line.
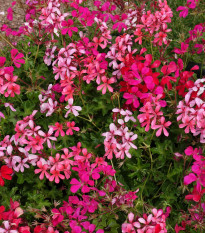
2 208
5 172
17 58
68 28
162 126
2 115
2 61
71 108
7 228
10 14
59 129
71 127
43 167
106 85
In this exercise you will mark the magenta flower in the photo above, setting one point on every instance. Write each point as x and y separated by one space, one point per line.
184 11
10 14
183 49
17 58
2 61
68 29
189 179
131 99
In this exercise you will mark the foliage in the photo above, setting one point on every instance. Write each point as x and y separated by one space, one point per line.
102 119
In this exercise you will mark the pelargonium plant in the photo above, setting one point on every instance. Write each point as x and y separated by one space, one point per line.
102 119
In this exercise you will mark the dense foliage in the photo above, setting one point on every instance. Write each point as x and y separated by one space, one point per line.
102 115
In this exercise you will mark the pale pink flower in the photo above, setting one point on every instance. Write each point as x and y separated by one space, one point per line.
72 109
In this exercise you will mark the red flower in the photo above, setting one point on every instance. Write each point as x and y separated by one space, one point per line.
196 194
5 172
2 208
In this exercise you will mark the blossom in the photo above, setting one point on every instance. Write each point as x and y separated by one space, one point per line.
71 108
47 136
71 127
10 106
183 49
106 85
43 167
2 115
17 58
162 126
59 129
2 61
55 175
196 194
2 208
68 29
21 163
5 172
10 13
184 11
7 228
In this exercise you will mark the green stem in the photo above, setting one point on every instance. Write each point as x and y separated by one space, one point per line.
36 56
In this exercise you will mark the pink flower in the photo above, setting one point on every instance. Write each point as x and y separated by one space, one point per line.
2 61
183 49
131 99
160 37
47 136
43 167
7 228
106 85
68 28
59 129
17 58
57 217
184 11
10 14
56 175
76 185
71 108
163 125
98 42
71 127
2 115
189 179
10 106
110 148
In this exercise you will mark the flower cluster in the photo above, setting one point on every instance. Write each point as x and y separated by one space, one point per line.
191 4
8 87
119 140
155 24
152 116
11 219
152 223
196 177
191 110
195 42
114 55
